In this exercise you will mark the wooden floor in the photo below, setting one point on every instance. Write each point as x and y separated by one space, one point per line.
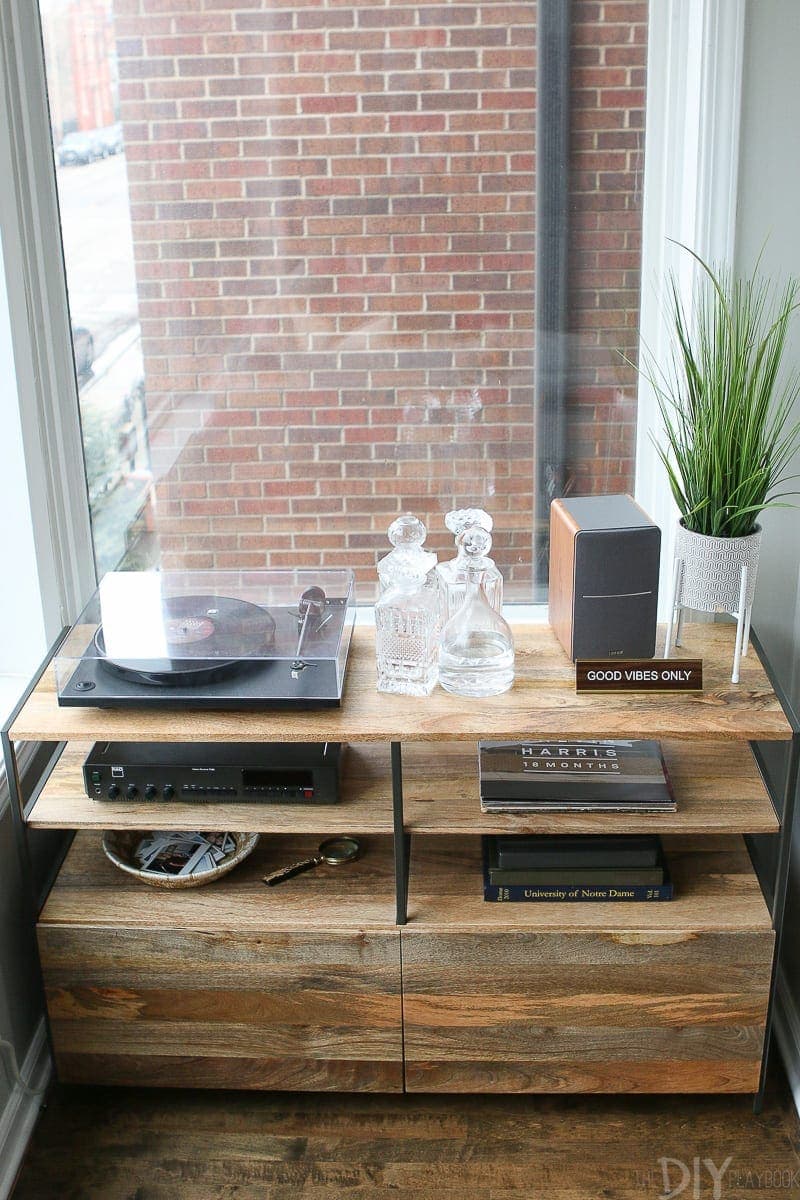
118 1144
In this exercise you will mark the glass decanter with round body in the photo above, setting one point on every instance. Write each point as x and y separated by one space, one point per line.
407 632
407 535
452 575
476 653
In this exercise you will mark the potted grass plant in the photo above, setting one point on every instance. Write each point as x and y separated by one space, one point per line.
729 436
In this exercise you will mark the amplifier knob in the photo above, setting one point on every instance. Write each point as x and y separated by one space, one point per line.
151 791
131 791
168 791
113 792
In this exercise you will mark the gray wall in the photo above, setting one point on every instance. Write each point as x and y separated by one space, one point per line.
768 217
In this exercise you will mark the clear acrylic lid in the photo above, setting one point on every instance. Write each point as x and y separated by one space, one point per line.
186 622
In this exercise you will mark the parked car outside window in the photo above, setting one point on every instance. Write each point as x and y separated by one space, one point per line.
77 149
108 140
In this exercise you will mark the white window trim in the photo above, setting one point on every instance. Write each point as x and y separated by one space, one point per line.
21 618
39 314
694 89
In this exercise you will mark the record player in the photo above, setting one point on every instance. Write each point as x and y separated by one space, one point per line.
210 639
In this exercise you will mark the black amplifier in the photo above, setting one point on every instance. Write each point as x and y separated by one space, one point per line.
275 773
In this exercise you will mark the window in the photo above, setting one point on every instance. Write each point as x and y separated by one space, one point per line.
301 250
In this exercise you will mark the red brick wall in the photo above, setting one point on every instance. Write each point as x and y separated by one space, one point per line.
333 216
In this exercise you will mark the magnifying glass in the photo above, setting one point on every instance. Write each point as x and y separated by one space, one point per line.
335 852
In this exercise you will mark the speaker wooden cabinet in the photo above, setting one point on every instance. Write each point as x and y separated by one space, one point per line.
604 565
319 984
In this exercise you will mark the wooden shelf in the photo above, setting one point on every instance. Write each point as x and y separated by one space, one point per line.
542 703
715 885
592 997
718 786
232 985
90 891
719 790
365 805
715 890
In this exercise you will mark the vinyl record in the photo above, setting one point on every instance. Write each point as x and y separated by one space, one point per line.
206 637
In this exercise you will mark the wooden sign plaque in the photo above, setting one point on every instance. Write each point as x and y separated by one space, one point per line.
639 675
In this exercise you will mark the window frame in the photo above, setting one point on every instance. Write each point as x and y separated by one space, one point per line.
695 50
692 125
40 323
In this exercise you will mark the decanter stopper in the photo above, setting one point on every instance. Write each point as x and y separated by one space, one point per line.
407 535
407 531
452 575
476 655
459 519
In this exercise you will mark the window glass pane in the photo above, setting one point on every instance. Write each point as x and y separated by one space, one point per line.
300 243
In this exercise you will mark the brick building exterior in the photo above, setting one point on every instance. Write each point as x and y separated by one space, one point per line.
334 223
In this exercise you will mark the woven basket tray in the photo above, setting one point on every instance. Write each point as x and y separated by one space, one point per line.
120 844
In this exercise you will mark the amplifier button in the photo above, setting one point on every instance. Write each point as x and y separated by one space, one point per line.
113 792
131 791
168 791
151 792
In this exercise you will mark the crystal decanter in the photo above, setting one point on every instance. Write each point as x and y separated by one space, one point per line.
407 616
476 654
407 630
452 575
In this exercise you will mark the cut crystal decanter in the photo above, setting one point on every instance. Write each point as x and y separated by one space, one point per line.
407 613
452 575
476 654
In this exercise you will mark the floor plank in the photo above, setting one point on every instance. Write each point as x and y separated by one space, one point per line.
125 1144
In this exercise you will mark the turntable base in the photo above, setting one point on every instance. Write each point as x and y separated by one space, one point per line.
252 685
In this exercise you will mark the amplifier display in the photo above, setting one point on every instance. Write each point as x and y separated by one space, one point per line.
275 773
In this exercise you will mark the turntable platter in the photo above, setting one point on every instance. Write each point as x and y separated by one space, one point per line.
204 637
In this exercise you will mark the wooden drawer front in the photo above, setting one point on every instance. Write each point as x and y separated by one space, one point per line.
655 1011
296 1011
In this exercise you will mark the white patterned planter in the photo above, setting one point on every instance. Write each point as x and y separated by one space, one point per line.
714 575
712 570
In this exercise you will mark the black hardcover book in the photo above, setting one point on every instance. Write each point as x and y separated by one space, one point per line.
562 852
578 890
590 871
587 775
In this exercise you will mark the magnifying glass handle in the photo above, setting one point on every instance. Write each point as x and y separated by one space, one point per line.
297 868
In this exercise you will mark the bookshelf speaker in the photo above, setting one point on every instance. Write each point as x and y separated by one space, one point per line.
604 562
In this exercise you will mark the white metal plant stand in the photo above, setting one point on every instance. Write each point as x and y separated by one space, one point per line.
714 575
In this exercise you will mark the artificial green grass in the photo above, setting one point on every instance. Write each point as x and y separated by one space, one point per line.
729 438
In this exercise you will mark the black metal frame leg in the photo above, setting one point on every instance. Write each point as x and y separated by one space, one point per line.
402 841
779 907
781 881
17 801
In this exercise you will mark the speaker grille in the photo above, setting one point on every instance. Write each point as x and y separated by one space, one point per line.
616 593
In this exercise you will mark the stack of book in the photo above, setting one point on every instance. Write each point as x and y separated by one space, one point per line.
583 867
572 776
